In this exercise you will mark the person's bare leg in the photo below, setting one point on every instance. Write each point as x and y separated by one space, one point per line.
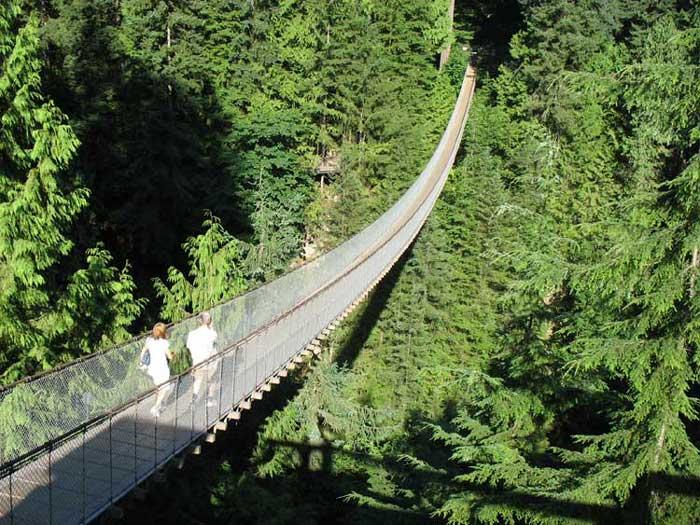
213 378
197 382
162 392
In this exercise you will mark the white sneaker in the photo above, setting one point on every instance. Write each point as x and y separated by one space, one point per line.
155 411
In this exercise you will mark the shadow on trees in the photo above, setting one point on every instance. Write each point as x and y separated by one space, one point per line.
417 480
150 148
316 492
493 23
367 320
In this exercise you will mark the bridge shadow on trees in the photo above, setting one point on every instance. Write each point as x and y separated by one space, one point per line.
416 481
321 489
369 316
334 484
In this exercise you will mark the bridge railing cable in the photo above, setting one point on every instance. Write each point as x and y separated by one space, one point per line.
83 436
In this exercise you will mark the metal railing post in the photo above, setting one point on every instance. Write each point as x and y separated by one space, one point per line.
84 479
111 464
221 382
136 441
245 372
234 353
155 440
194 379
50 485
12 508
177 398
257 365
206 393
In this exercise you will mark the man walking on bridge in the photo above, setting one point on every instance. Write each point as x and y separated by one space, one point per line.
200 343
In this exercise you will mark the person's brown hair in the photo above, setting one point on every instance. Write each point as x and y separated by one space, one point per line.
159 331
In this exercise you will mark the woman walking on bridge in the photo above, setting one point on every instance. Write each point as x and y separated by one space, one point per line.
158 349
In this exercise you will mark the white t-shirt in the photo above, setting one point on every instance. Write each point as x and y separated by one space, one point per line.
200 343
158 367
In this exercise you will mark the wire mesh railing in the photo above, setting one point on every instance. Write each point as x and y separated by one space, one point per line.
83 436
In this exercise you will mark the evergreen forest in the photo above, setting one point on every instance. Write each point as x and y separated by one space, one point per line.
533 358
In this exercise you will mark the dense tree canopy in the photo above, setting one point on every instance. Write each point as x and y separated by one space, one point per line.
533 358
50 311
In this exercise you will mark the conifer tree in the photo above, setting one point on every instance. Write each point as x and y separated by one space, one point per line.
595 372
216 270
46 315
645 334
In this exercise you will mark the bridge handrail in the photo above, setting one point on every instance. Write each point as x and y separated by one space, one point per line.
325 271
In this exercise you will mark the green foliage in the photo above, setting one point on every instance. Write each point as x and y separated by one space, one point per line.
543 325
216 271
321 414
532 359
596 236
646 287
48 313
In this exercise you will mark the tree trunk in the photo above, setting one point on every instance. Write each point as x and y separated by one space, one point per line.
654 500
168 45
445 53
694 271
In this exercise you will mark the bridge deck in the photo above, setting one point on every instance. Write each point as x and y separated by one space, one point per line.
95 438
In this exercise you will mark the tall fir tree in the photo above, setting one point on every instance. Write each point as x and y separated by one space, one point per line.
48 314
586 412
217 272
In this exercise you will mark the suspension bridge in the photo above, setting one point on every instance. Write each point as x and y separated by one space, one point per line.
83 436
